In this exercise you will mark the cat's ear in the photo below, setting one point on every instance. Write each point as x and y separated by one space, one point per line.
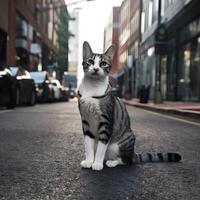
110 52
87 51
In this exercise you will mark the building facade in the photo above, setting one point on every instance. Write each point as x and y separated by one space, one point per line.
149 24
129 38
74 42
182 19
30 27
169 49
4 5
111 36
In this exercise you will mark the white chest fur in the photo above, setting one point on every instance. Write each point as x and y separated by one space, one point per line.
91 112
90 108
93 87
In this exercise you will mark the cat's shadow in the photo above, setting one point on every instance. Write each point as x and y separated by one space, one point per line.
109 183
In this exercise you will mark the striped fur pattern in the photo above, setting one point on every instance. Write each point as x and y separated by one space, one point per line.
105 120
157 157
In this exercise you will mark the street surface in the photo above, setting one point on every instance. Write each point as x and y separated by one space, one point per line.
41 148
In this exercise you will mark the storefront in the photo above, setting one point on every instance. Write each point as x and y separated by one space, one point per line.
148 66
184 64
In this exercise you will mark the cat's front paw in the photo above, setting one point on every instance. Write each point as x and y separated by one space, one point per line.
97 166
86 163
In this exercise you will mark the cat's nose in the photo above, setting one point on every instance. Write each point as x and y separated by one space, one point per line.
96 69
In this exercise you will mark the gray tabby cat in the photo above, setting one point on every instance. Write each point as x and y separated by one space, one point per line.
105 120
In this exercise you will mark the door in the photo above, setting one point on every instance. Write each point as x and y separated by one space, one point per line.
163 76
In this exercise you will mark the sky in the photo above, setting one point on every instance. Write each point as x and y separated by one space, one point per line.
93 16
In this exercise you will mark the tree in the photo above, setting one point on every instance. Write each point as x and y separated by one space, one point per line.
63 38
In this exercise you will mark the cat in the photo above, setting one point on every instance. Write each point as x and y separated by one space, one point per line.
105 121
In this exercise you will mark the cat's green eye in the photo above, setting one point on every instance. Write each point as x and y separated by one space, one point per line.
90 62
103 63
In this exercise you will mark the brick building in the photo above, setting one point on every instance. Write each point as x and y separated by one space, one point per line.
111 36
3 31
28 32
129 36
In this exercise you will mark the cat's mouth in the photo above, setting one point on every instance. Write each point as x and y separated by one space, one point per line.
95 73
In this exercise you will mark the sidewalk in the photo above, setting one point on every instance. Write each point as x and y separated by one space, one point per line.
186 109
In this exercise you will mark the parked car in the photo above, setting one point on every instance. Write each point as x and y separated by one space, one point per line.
60 92
72 92
16 87
25 91
44 89
8 89
57 89
65 93
70 81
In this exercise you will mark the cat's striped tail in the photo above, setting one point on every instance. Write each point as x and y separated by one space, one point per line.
157 157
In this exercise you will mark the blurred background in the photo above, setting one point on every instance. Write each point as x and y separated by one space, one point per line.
157 48
155 72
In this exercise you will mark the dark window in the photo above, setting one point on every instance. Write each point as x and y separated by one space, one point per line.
189 71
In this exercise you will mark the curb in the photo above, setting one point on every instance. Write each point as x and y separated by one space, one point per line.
181 112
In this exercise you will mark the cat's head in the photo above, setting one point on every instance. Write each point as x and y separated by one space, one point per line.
96 65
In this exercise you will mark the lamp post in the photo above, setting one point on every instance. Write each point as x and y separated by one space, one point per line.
158 96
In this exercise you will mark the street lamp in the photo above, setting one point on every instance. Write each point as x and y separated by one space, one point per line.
158 96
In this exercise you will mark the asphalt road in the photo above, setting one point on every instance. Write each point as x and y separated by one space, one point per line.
41 148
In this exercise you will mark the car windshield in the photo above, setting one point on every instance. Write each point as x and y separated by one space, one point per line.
14 71
38 77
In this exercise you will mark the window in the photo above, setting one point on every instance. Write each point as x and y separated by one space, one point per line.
123 57
135 22
155 11
171 77
191 30
150 13
189 71
142 22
